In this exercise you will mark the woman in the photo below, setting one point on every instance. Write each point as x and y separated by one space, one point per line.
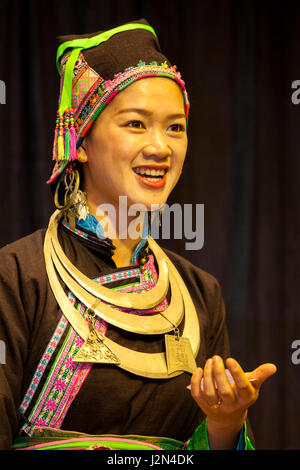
105 333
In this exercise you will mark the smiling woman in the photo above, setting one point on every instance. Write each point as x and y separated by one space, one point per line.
115 330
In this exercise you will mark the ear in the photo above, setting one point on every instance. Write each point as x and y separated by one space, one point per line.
81 155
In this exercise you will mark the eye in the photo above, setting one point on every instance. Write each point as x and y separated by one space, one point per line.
177 128
135 124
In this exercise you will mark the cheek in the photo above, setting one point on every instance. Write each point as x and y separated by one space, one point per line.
178 163
181 154
117 147
107 165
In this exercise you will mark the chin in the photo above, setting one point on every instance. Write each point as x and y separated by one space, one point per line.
153 204
146 200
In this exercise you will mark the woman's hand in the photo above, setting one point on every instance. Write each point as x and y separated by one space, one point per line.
225 404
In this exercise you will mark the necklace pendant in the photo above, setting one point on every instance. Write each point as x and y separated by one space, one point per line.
95 350
179 354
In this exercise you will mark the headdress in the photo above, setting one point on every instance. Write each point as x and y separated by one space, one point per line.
94 68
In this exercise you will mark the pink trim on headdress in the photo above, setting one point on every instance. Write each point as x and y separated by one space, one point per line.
95 102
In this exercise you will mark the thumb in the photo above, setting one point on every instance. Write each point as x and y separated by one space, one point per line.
259 375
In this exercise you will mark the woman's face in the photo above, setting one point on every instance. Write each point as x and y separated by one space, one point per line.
137 145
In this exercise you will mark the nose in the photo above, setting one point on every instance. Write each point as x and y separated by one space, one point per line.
157 146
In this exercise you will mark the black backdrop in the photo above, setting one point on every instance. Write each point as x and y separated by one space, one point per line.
239 60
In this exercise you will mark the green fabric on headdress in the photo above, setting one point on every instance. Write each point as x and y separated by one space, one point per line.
86 43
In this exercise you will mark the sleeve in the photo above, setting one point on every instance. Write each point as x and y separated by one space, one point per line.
8 413
199 439
207 296
218 339
216 343
16 298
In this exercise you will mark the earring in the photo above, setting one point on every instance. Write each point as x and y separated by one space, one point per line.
144 257
74 200
160 218
154 221
149 222
71 181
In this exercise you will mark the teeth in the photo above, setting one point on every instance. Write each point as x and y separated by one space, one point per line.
149 172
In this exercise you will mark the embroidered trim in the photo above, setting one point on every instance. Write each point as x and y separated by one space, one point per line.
63 383
103 91
43 363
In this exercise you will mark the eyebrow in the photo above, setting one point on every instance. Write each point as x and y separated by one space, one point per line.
145 112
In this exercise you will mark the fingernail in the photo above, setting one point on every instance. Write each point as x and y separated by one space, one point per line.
217 360
188 387
253 382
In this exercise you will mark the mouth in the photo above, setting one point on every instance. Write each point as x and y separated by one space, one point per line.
153 176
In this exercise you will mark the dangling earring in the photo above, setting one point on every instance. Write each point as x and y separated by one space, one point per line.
71 181
144 257
149 221
154 221
74 200
160 218
144 254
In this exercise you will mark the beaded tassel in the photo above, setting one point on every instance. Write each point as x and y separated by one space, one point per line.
65 138
60 140
73 137
54 152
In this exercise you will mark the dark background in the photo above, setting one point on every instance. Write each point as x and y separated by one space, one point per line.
239 60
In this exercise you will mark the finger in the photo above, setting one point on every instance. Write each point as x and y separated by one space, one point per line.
209 388
196 383
196 391
244 388
261 374
225 390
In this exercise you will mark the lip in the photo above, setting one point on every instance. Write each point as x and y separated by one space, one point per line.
153 184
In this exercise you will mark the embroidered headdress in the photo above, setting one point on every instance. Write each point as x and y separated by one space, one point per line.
94 68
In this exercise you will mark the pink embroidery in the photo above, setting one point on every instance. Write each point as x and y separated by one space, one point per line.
40 423
60 385
43 363
50 405
75 385
78 341
69 363
38 408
